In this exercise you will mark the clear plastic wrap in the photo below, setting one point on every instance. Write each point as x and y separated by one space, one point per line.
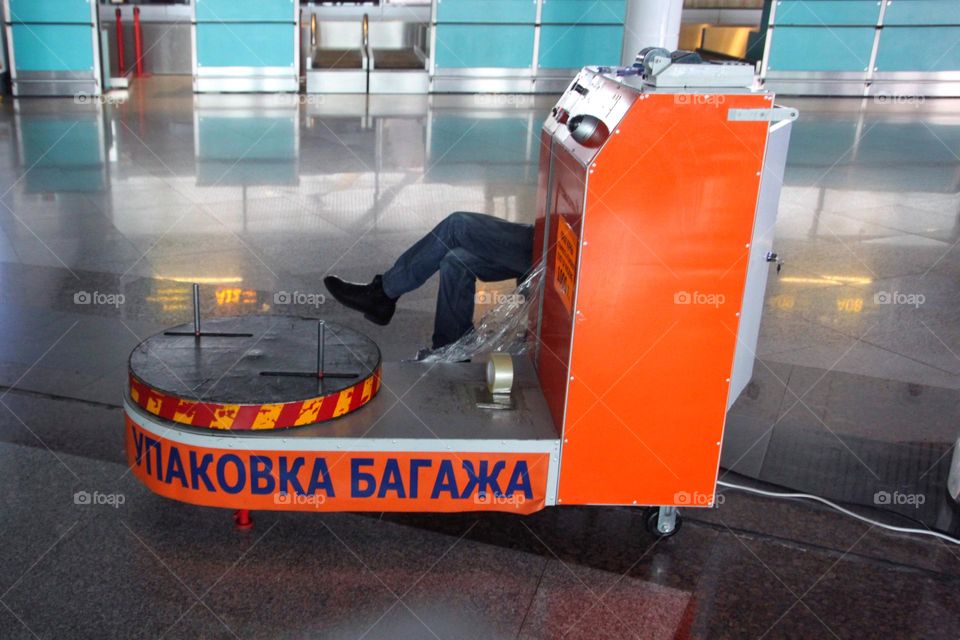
501 329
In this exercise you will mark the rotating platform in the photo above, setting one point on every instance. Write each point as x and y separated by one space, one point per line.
254 373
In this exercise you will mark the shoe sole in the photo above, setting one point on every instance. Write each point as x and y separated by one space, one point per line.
375 320
369 316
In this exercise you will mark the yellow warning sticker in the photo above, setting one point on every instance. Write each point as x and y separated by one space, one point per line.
565 263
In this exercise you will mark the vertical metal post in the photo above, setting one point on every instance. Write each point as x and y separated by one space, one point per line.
138 41
121 67
321 337
365 29
196 310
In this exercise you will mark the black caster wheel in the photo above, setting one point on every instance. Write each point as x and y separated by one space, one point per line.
652 518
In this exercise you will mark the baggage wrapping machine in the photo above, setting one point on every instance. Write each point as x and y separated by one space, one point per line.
658 192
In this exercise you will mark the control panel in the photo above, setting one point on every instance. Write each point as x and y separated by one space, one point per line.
598 98
588 113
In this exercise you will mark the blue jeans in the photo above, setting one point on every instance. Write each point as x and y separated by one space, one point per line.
464 247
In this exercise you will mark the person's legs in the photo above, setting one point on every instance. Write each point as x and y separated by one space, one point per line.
455 299
459 272
501 244
463 247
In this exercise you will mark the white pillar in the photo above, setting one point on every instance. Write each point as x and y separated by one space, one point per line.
650 23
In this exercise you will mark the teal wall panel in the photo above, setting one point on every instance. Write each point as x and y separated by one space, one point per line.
256 150
504 149
64 143
583 12
914 12
462 45
246 173
919 144
919 49
917 36
61 47
565 47
821 49
486 11
245 10
59 11
60 179
827 12
255 138
245 45
816 142
63 154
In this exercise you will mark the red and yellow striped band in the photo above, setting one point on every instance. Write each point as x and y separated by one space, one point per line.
241 417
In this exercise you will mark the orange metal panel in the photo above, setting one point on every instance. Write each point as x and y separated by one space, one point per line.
668 221
568 189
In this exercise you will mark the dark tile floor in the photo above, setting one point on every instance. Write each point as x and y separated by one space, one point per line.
851 395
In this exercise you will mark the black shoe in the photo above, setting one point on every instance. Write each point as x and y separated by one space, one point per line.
369 299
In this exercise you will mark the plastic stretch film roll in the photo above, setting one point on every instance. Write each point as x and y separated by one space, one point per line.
502 329
500 373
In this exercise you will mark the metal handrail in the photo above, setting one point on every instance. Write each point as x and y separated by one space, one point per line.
366 32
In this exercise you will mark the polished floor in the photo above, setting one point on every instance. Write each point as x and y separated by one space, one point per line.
109 211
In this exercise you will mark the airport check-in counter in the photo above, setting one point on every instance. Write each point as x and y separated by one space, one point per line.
399 53
53 47
364 48
863 47
336 53
521 46
246 46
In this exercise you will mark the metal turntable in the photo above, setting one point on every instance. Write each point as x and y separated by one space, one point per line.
254 372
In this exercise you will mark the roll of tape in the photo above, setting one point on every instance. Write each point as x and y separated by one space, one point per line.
500 373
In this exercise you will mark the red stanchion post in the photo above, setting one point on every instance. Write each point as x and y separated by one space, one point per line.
138 41
121 66
242 519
